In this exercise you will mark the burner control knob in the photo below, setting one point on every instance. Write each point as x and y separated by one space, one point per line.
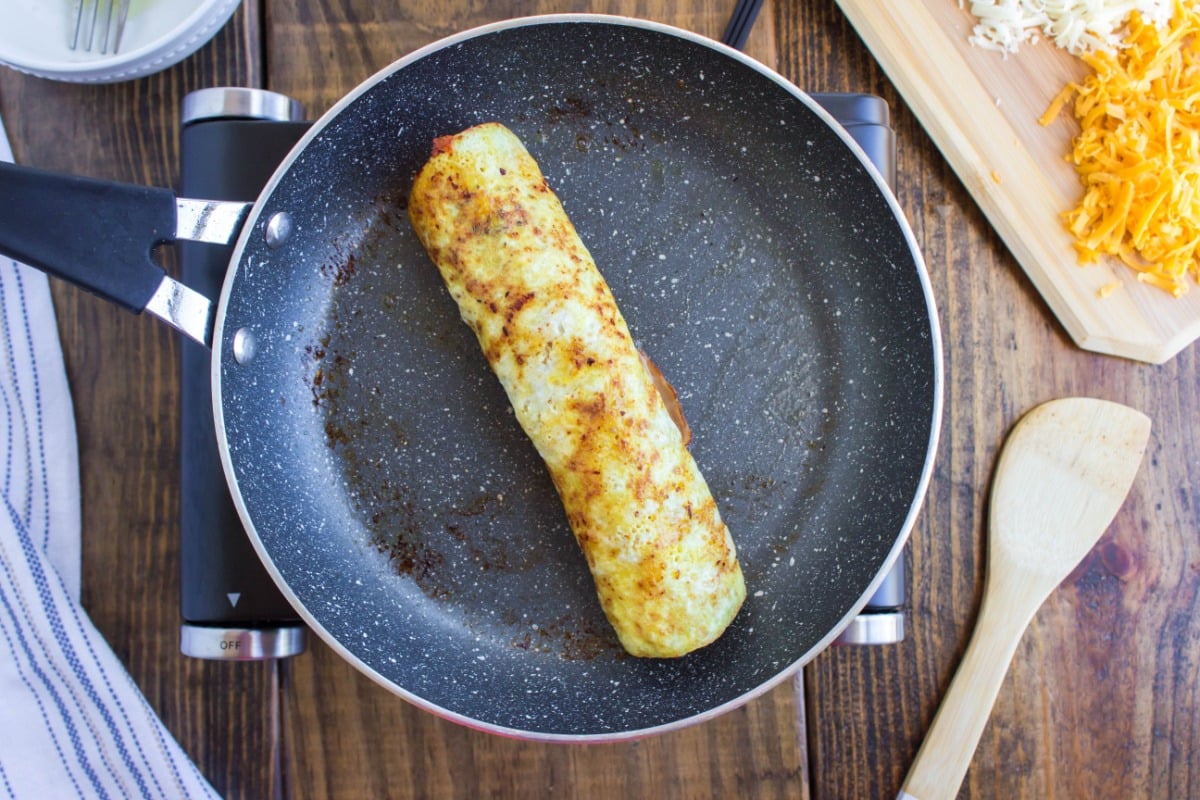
242 644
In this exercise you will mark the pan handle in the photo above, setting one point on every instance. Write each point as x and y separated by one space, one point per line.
101 237
97 235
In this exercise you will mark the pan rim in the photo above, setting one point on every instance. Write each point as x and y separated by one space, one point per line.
252 228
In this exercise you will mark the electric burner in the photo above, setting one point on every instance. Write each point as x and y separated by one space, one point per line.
232 141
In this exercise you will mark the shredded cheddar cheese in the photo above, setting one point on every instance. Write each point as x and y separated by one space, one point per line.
1057 104
1138 152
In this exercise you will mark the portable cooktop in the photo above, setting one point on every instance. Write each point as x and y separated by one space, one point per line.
232 141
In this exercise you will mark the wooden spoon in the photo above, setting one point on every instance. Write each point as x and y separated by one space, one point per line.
1061 477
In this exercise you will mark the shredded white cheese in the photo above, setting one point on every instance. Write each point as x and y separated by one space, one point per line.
1077 26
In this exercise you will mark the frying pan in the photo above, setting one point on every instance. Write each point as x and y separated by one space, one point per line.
759 260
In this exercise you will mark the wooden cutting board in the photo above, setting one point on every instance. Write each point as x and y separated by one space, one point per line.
981 108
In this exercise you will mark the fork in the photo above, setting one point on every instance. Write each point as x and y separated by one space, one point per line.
87 24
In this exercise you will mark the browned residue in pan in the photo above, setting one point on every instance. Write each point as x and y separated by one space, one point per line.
564 637
394 516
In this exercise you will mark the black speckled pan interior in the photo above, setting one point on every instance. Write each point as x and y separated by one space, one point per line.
757 260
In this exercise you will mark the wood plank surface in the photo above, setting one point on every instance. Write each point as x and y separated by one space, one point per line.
1100 700
982 108
124 376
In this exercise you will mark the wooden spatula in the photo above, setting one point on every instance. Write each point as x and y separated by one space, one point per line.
1062 475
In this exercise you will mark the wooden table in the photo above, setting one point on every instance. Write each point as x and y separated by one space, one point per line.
1101 700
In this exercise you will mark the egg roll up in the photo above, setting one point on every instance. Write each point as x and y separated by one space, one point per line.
663 562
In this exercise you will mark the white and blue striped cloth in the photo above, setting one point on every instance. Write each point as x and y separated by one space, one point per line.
72 721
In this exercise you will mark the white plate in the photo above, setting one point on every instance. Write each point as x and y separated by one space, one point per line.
35 37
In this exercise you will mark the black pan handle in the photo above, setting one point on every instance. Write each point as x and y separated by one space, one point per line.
100 236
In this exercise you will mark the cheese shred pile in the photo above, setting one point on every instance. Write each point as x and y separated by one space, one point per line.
1077 26
1138 151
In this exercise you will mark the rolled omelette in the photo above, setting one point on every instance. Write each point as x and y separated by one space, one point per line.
663 562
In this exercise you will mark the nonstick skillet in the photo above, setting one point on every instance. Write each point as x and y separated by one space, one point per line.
759 260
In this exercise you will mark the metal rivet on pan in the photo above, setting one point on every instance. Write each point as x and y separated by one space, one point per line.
279 228
244 345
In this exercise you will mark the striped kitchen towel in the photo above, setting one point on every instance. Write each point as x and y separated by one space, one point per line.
72 721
